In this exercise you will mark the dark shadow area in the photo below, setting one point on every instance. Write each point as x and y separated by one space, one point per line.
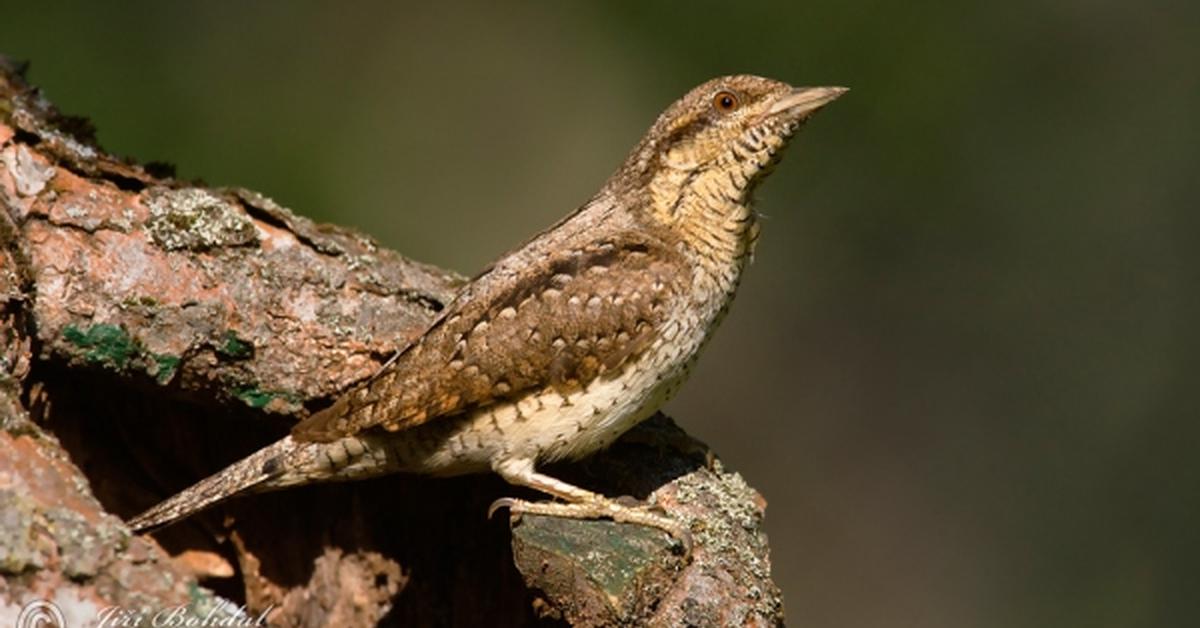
458 564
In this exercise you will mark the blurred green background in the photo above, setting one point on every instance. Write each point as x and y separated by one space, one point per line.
959 368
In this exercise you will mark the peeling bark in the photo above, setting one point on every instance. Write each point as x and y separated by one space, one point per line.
153 330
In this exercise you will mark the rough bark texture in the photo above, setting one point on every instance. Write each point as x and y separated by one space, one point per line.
154 330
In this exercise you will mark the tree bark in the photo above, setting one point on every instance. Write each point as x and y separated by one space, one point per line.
154 330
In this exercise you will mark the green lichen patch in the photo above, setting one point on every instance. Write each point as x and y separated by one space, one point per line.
233 347
108 345
196 219
164 367
111 346
253 396
270 400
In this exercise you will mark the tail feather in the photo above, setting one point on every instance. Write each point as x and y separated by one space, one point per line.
240 477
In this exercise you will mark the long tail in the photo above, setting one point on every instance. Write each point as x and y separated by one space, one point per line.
240 477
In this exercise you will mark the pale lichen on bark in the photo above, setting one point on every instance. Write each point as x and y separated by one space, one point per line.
196 219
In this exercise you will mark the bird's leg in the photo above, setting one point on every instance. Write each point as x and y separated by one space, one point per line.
580 503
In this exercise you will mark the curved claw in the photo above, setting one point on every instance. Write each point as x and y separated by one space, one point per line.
503 502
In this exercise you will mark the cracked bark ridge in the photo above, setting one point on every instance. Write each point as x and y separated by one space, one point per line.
153 330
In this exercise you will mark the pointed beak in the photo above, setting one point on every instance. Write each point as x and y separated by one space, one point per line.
803 101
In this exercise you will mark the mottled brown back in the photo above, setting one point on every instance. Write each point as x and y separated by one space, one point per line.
575 314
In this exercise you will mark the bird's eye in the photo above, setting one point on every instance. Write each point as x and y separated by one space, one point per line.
725 101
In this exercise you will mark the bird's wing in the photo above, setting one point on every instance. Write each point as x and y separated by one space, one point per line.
575 315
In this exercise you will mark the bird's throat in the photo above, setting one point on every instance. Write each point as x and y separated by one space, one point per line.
716 227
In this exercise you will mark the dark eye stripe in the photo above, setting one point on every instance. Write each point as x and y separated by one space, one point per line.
684 132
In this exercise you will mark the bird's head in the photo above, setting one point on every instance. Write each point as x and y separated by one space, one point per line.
714 145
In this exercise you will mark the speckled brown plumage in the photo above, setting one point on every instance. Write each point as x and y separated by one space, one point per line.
576 314
564 343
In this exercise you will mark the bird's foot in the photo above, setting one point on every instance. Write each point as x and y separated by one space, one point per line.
600 508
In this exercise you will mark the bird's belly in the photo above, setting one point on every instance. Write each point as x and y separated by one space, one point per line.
554 424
